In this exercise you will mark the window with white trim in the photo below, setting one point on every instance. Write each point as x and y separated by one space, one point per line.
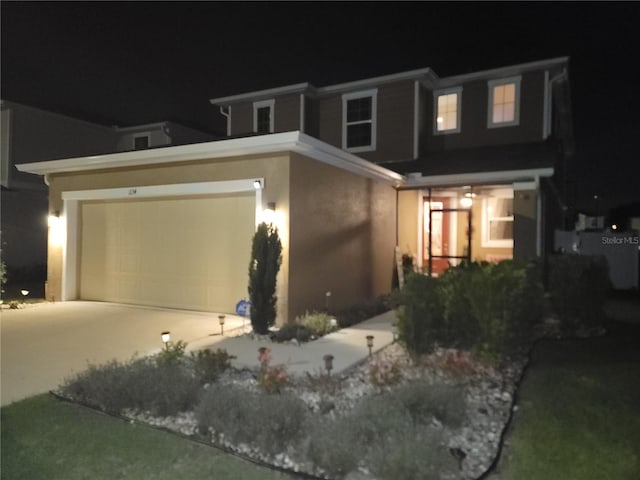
504 102
497 219
447 110
359 111
263 116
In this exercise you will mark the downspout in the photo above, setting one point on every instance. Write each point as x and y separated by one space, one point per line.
227 114
547 107
538 218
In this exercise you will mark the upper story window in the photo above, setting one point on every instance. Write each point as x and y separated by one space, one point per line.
504 102
359 121
263 116
448 106
497 213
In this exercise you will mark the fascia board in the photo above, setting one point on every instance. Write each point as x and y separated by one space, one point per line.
262 94
507 71
502 176
375 81
260 144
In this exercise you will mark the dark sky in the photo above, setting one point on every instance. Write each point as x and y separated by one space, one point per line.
125 63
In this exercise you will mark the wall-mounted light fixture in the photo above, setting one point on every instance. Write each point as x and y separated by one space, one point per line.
269 213
166 336
467 200
55 229
257 184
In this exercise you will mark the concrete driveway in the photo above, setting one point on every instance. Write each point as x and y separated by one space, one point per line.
42 344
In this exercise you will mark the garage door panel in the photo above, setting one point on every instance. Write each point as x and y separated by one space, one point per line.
187 252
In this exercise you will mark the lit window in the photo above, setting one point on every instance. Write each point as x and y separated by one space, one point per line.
447 111
497 225
504 102
359 121
263 116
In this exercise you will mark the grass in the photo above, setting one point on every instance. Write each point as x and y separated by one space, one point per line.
43 438
580 412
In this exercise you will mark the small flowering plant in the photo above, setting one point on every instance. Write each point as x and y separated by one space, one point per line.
272 379
384 372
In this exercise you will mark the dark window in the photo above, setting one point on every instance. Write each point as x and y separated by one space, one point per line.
359 135
359 122
141 143
263 120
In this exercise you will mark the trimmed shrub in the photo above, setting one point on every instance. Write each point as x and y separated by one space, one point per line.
318 323
208 365
578 285
421 313
271 423
289 331
172 353
360 312
333 446
416 454
266 257
145 384
425 401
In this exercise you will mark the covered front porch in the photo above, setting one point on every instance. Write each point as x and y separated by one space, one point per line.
447 219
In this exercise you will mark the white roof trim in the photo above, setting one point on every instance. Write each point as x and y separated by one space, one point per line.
502 176
509 70
259 144
395 77
259 94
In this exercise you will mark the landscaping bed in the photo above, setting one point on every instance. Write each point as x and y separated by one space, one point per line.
440 416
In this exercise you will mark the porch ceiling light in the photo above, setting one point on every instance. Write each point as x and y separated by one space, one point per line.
466 202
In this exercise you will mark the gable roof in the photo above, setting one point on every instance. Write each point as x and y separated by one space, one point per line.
425 76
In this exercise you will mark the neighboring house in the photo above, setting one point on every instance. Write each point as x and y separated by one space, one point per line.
30 134
465 167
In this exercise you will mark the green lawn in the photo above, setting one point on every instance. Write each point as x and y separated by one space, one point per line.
43 438
579 415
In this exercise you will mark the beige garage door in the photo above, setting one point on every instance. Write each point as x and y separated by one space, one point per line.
179 252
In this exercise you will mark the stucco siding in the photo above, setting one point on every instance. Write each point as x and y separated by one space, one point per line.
273 168
342 237
409 221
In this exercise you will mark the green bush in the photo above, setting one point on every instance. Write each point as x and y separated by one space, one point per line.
144 384
172 353
578 286
425 401
289 331
484 307
420 314
208 365
416 454
270 422
266 257
318 323
333 446
360 312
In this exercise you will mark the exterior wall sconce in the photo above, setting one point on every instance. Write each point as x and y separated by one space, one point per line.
53 220
257 184
269 213
166 336
221 320
328 363
370 343
55 229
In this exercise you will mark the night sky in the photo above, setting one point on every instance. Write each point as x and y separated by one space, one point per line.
131 63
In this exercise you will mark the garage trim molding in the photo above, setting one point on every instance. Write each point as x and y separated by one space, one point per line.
71 200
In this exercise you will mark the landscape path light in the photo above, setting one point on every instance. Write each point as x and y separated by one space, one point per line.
328 363
221 320
370 343
24 292
166 336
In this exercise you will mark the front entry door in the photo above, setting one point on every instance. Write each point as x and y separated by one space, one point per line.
436 231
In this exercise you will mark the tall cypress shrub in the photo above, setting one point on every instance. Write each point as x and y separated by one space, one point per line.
266 257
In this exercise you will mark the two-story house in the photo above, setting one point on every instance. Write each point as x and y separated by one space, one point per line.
444 168
479 150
